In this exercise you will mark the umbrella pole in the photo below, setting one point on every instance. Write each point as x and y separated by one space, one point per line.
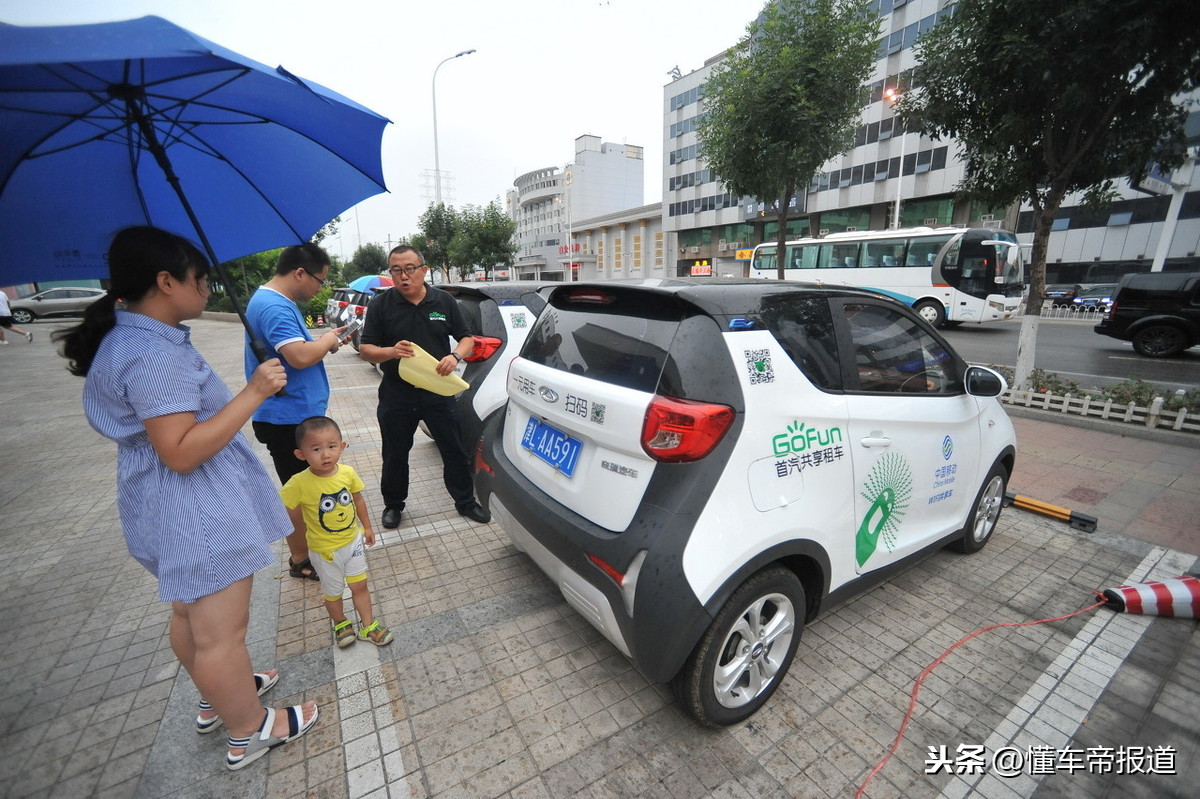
134 108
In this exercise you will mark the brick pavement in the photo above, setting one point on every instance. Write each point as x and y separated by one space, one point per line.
495 687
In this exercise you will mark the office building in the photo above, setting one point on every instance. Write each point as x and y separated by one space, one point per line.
705 224
603 178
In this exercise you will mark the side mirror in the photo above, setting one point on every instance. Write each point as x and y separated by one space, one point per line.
983 382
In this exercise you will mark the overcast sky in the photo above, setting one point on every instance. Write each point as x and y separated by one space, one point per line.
545 72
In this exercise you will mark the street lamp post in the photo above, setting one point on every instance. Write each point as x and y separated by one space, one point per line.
893 95
437 167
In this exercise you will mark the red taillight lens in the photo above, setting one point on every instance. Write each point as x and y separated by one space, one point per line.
678 430
342 303
481 464
359 310
613 574
590 295
485 347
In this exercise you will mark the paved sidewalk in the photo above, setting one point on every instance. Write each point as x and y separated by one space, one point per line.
495 687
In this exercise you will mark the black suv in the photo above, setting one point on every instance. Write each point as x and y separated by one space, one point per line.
1159 312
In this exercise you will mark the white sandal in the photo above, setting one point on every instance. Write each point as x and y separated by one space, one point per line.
262 682
263 741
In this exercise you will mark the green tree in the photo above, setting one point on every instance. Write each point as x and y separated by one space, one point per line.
247 273
494 238
786 99
329 229
438 225
483 240
368 259
1047 99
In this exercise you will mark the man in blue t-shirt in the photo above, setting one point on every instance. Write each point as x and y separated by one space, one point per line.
276 319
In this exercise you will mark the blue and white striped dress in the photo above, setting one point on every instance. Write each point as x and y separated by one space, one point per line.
199 532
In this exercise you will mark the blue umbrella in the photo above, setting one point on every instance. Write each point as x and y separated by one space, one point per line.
143 123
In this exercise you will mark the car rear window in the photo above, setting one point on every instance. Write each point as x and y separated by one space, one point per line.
620 337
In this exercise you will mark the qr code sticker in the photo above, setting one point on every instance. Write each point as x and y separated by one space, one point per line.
758 365
597 413
519 320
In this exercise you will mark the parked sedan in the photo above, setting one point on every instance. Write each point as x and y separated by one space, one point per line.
1095 299
68 301
1061 294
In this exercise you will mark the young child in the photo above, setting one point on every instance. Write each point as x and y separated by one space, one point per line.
326 500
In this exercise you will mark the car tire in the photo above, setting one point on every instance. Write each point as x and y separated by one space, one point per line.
985 512
21 316
932 312
746 651
1159 341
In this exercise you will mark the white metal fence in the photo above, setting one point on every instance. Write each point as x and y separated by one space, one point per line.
1155 416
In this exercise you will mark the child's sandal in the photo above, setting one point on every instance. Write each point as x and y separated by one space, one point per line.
376 633
343 632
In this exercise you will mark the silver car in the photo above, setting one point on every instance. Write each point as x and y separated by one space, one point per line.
67 301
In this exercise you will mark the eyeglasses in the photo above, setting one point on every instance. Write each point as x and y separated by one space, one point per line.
407 271
320 280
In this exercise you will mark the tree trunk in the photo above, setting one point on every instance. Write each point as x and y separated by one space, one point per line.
1043 218
781 235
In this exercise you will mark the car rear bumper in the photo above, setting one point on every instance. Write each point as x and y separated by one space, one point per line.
669 617
587 599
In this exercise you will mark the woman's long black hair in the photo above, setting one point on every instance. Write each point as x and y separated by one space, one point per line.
135 258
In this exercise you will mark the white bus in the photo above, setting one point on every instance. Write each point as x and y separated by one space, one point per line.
948 275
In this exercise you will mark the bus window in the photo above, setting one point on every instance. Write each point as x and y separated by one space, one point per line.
804 256
842 255
923 251
884 252
764 258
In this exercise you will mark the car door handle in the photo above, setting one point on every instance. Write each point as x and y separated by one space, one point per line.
876 440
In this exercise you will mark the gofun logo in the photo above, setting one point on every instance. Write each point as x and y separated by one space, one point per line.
798 438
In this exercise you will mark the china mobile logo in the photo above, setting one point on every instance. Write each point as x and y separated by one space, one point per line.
799 438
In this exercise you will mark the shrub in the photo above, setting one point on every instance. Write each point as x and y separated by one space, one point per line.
1135 391
316 306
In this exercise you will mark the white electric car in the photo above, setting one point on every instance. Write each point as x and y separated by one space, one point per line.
702 466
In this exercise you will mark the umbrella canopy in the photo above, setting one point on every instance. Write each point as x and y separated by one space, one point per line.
143 123
368 282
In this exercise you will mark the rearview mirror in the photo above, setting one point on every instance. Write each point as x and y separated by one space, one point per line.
983 382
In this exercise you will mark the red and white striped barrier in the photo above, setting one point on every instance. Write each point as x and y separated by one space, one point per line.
1175 596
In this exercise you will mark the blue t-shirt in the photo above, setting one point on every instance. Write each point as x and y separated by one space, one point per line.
276 320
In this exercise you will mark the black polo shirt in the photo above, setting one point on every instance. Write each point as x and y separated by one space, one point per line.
431 324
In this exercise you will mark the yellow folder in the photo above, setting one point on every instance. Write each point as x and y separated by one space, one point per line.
421 371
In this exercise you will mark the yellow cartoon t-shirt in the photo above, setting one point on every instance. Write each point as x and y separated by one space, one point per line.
328 503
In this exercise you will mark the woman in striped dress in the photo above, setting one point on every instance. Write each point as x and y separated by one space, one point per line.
198 509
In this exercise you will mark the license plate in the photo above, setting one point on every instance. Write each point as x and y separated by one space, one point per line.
552 445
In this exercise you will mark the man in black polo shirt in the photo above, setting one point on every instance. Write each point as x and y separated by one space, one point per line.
414 313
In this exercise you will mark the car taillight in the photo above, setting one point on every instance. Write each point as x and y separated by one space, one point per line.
342 304
359 310
485 347
481 464
590 295
677 430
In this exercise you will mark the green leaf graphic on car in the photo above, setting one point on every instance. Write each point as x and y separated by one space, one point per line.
888 488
